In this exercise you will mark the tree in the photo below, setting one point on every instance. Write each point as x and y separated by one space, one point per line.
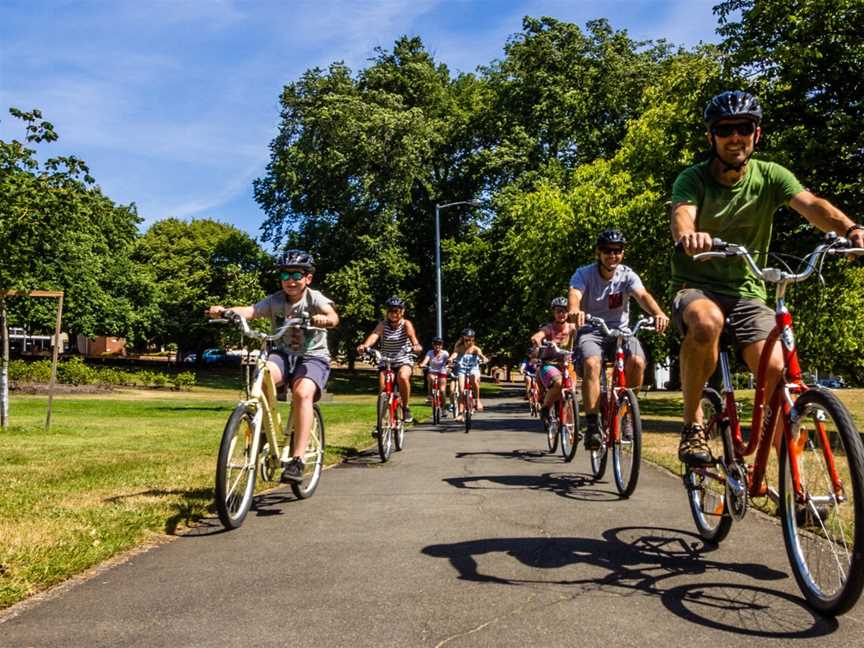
194 265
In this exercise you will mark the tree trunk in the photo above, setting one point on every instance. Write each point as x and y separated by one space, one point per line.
4 371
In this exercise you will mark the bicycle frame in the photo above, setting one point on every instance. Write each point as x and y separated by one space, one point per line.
390 387
612 388
791 383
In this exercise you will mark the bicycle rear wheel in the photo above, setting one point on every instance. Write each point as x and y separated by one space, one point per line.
568 427
313 458
706 486
601 456
823 532
399 426
627 448
385 427
236 468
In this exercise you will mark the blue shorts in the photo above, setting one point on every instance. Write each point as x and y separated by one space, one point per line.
314 368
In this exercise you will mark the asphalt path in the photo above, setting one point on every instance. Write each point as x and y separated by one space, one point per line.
479 539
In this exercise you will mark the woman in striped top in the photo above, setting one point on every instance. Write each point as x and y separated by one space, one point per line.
398 341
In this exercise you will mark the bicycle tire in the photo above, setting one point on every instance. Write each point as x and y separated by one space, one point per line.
706 489
399 427
385 427
627 449
825 526
568 428
469 407
236 469
436 415
313 458
550 427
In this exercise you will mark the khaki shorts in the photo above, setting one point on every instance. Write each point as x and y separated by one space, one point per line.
747 320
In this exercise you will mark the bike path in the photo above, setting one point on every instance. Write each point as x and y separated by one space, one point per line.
460 540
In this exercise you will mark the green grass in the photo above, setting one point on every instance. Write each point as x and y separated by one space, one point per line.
117 471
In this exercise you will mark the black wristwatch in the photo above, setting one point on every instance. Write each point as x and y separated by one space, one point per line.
852 228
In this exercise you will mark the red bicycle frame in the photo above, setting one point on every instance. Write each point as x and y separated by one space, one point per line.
762 427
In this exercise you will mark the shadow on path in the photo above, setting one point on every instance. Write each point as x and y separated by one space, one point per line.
641 560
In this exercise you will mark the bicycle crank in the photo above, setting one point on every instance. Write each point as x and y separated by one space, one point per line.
736 491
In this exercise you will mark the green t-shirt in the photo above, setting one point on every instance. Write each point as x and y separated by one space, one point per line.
742 213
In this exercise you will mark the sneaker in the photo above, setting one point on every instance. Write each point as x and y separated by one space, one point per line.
593 438
406 415
293 470
544 415
693 449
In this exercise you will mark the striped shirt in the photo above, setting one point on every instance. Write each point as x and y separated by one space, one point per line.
394 341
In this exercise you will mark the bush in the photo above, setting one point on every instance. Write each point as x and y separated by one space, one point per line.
184 380
30 372
75 372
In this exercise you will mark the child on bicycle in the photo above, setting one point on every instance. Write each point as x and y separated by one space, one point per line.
467 357
398 341
561 332
436 360
528 369
302 358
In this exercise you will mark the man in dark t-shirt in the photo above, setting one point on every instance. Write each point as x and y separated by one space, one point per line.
733 198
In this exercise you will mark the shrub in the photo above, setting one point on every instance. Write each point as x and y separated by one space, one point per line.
75 372
184 380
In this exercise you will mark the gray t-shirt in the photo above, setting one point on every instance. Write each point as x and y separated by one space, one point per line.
608 300
277 309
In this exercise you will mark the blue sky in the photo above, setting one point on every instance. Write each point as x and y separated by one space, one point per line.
173 103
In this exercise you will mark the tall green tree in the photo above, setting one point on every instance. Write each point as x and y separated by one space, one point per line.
194 265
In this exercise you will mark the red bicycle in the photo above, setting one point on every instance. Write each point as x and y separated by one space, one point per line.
563 421
390 428
437 398
534 401
621 423
821 462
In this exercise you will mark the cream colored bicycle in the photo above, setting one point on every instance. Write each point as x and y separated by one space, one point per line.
253 443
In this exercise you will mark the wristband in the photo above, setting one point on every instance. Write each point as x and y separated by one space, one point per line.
852 228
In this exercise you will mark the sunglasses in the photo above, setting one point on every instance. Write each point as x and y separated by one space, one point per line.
295 275
394 310
742 128
608 250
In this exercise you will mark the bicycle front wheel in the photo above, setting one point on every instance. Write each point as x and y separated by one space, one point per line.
706 486
627 448
822 528
399 427
236 468
313 458
568 427
469 409
385 427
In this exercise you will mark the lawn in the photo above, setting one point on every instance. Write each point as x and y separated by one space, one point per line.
117 471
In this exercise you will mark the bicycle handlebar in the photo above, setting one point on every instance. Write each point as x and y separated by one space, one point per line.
301 322
643 323
833 245
374 356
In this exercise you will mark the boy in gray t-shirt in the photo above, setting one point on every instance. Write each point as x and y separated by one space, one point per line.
603 289
301 358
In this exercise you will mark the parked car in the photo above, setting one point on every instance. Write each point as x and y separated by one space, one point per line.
832 383
214 356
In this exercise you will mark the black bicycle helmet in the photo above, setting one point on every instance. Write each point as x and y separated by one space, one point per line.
395 302
437 340
296 259
467 332
611 236
559 302
732 103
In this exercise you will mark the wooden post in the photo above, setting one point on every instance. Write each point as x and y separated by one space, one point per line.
56 352
4 395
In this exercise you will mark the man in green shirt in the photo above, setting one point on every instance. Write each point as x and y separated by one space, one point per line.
733 198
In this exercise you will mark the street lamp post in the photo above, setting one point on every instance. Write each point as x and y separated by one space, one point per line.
439 329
